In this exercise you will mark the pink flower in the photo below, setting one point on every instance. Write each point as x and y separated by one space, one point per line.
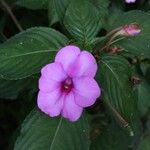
68 85
130 1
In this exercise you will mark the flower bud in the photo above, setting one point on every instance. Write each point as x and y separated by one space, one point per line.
129 30
135 80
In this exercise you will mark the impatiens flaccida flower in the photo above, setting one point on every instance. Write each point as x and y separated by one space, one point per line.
68 85
130 1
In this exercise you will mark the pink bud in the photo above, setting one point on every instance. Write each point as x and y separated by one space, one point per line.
129 30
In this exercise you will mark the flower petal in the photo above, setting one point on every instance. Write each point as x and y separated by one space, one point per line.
54 71
48 85
67 56
48 100
85 65
71 110
57 108
86 91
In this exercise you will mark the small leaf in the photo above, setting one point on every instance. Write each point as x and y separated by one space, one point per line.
82 24
114 77
26 53
40 132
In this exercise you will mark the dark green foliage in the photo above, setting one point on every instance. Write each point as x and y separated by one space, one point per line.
120 120
28 51
41 132
114 76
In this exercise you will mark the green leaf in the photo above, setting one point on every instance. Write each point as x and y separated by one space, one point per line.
144 144
61 7
26 53
33 4
115 13
143 97
111 138
102 7
81 23
140 44
52 14
114 77
40 132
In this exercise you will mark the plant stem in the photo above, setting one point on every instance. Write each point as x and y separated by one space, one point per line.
113 31
6 6
112 43
120 118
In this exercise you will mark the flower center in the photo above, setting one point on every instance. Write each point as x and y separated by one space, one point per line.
67 85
